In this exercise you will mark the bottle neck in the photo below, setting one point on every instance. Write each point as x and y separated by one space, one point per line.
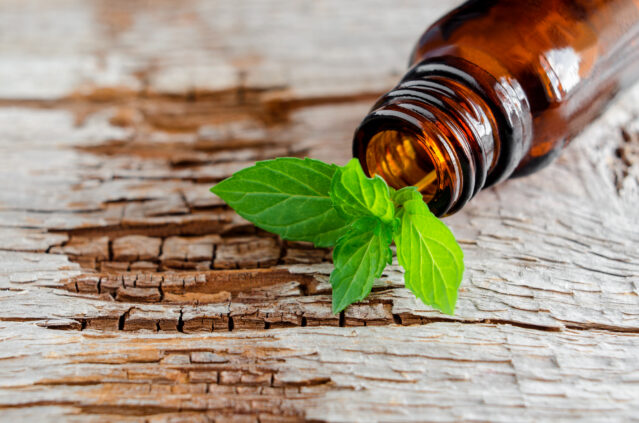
435 132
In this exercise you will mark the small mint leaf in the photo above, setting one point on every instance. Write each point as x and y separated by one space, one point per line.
433 260
355 195
359 257
405 194
287 196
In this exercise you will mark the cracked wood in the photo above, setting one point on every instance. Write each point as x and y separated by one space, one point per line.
129 292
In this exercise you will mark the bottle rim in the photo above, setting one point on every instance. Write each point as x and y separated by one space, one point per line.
454 180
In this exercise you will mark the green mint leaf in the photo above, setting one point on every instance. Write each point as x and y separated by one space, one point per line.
359 257
405 194
287 196
427 250
308 200
355 195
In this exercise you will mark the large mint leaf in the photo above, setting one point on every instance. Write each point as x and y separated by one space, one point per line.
287 196
359 257
355 195
427 250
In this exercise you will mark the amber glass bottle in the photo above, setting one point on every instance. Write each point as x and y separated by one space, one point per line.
496 89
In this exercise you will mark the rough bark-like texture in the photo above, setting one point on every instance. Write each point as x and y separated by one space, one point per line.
129 292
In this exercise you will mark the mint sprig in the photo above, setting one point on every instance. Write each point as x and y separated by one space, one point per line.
331 206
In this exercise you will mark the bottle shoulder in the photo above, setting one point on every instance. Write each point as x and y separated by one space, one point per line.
549 49
564 58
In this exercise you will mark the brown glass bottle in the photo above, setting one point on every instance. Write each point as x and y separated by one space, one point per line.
496 89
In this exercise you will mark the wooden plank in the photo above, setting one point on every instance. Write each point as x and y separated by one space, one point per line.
446 371
129 292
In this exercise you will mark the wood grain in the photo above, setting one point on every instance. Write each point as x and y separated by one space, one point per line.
128 292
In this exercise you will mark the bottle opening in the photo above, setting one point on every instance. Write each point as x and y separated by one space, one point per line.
434 133
403 159
405 153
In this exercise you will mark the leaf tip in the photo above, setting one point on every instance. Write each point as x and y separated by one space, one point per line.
218 190
338 308
447 310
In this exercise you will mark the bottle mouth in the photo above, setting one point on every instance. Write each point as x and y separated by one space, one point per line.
406 155
438 132
403 159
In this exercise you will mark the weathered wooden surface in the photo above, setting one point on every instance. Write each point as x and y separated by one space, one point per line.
129 292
